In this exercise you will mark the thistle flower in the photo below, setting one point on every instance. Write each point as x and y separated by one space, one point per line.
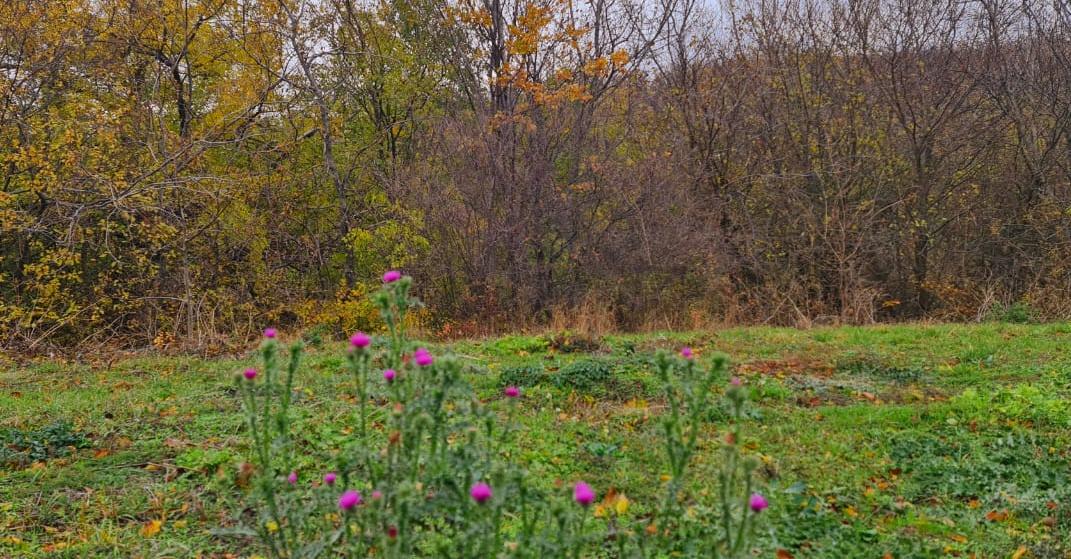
270 333
422 357
330 478
686 352
360 340
480 492
583 494
388 375
377 495
392 276
349 499
512 392
250 373
292 478
392 532
735 381
757 502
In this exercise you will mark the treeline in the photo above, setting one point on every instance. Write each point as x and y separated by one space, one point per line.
182 172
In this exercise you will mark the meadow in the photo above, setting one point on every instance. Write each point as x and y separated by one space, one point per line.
917 440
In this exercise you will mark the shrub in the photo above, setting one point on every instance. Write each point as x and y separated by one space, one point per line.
584 374
516 345
57 439
1015 313
317 335
428 475
573 342
528 374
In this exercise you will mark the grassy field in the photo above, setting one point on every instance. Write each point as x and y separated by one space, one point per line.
890 441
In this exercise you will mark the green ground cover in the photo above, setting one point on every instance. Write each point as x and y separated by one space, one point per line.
898 441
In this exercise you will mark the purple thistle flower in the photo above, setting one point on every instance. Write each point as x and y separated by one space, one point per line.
330 478
512 392
292 478
757 502
250 373
583 494
686 352
388 375
480 492
735 381
270 333
377 495
392 276
422 357
360 340
349 499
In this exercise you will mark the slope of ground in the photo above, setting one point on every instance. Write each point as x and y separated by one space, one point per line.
902 441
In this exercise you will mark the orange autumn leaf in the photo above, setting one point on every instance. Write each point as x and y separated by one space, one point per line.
1019 553
152 528
596 67
245 472
784 554
995 516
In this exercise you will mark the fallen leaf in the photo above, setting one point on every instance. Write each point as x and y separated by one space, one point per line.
245 471
1019 553
171 442
152 528
994 516
784 554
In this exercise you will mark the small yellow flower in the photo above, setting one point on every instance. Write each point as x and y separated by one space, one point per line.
271 526
621 506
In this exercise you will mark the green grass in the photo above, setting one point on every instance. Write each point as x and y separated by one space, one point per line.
917 441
